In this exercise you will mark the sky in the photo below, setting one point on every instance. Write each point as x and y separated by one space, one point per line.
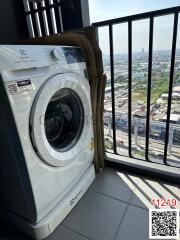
163 26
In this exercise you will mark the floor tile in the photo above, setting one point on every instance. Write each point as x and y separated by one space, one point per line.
65 234
9 232
165 190
113 184
135 225
149 189
144 194
137 201
96 216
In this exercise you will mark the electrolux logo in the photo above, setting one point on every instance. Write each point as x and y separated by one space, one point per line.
22 52
74 199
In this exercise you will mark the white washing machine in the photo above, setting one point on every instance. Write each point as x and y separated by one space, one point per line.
46 135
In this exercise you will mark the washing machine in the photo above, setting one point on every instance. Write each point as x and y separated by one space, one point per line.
46 135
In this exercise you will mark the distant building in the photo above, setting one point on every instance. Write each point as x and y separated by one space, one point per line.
139 113
142 52
177 109
175 96
176 89
138 75
116 87
164 96
174 118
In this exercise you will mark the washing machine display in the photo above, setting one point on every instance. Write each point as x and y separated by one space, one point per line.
73 55
76 59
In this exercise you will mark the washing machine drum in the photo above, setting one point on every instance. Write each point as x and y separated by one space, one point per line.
64 119
60 119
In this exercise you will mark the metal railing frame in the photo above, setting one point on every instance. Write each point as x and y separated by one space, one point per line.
130 19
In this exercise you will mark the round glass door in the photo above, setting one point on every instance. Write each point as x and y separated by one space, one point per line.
60 121
64 118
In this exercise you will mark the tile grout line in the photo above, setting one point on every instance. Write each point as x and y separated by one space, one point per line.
106 195
75 231
119 223
122 218
128 204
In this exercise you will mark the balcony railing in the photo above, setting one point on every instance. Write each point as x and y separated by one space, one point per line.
145 126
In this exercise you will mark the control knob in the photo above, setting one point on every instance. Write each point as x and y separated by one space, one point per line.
56 54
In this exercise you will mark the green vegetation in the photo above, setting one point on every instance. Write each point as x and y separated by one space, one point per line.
160 85
177 77
139 96
121 79
139 152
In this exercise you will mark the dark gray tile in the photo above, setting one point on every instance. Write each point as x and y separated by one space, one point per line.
65 234
110 183
138 202
135 225
9 232
96 216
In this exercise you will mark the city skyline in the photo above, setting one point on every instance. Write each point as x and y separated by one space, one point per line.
163 26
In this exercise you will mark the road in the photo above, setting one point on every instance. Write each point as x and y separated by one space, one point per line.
155 145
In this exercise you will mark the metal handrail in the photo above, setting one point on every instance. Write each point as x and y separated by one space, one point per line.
130 19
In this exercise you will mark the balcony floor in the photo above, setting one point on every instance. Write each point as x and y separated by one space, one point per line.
114 208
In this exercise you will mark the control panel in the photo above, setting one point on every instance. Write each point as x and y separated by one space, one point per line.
26 60
14 57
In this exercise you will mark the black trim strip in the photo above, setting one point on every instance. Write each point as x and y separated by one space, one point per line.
173 55
112 86
138 16
129 83
149 85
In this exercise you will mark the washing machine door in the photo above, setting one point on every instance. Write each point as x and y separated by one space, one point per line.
61 119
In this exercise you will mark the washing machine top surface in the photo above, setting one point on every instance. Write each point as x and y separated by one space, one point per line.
19 57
